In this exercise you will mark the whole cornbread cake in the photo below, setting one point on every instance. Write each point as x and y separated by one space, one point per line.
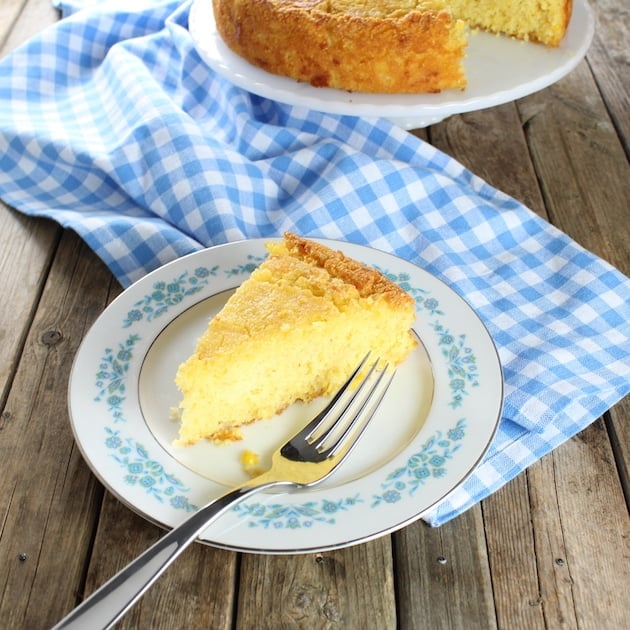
386 46
293 331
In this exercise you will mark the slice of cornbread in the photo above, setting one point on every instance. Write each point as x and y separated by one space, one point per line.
293 331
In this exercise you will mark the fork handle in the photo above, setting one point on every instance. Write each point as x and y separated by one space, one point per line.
111 601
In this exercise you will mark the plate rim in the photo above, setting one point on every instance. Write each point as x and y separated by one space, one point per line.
250 245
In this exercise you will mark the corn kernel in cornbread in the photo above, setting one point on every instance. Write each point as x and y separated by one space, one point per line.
250 462
293 331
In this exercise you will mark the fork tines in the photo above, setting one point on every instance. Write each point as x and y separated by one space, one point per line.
337 428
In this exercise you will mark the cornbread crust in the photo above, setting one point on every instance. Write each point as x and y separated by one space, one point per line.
293 331
366 280
382 46
408 52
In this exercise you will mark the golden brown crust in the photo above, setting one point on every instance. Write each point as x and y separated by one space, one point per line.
366 280
385 46
301 40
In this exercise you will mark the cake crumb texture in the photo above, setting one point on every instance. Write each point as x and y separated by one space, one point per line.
293 331
381 46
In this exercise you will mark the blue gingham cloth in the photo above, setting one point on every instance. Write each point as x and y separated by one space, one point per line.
111 124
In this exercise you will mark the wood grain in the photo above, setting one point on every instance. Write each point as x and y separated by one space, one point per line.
49 499
24 18
324 591
577 153
492 145
609 58
26 245
9 13
582 532
619 432
197 591
443 575
577 157
510 535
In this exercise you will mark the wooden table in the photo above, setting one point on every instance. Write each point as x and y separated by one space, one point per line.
549 550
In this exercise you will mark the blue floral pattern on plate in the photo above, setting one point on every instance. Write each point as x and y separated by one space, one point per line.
294 515
430 461
167 294
111 381
141 470
111 378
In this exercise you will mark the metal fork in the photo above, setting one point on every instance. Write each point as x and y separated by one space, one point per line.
306 459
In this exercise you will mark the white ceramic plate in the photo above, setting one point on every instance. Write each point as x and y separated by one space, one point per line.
431 430
499 70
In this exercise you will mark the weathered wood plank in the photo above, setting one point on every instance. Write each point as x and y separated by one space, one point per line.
49 499
492 145
619 430
578 157
443 577
345 588
510 537
197 591
561 527
9 13
26 249
556 596
26 245
609 58
24 18
582 536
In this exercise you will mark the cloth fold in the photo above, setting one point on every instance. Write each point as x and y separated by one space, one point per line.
112 125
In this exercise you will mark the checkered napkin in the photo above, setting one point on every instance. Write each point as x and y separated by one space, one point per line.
111 124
